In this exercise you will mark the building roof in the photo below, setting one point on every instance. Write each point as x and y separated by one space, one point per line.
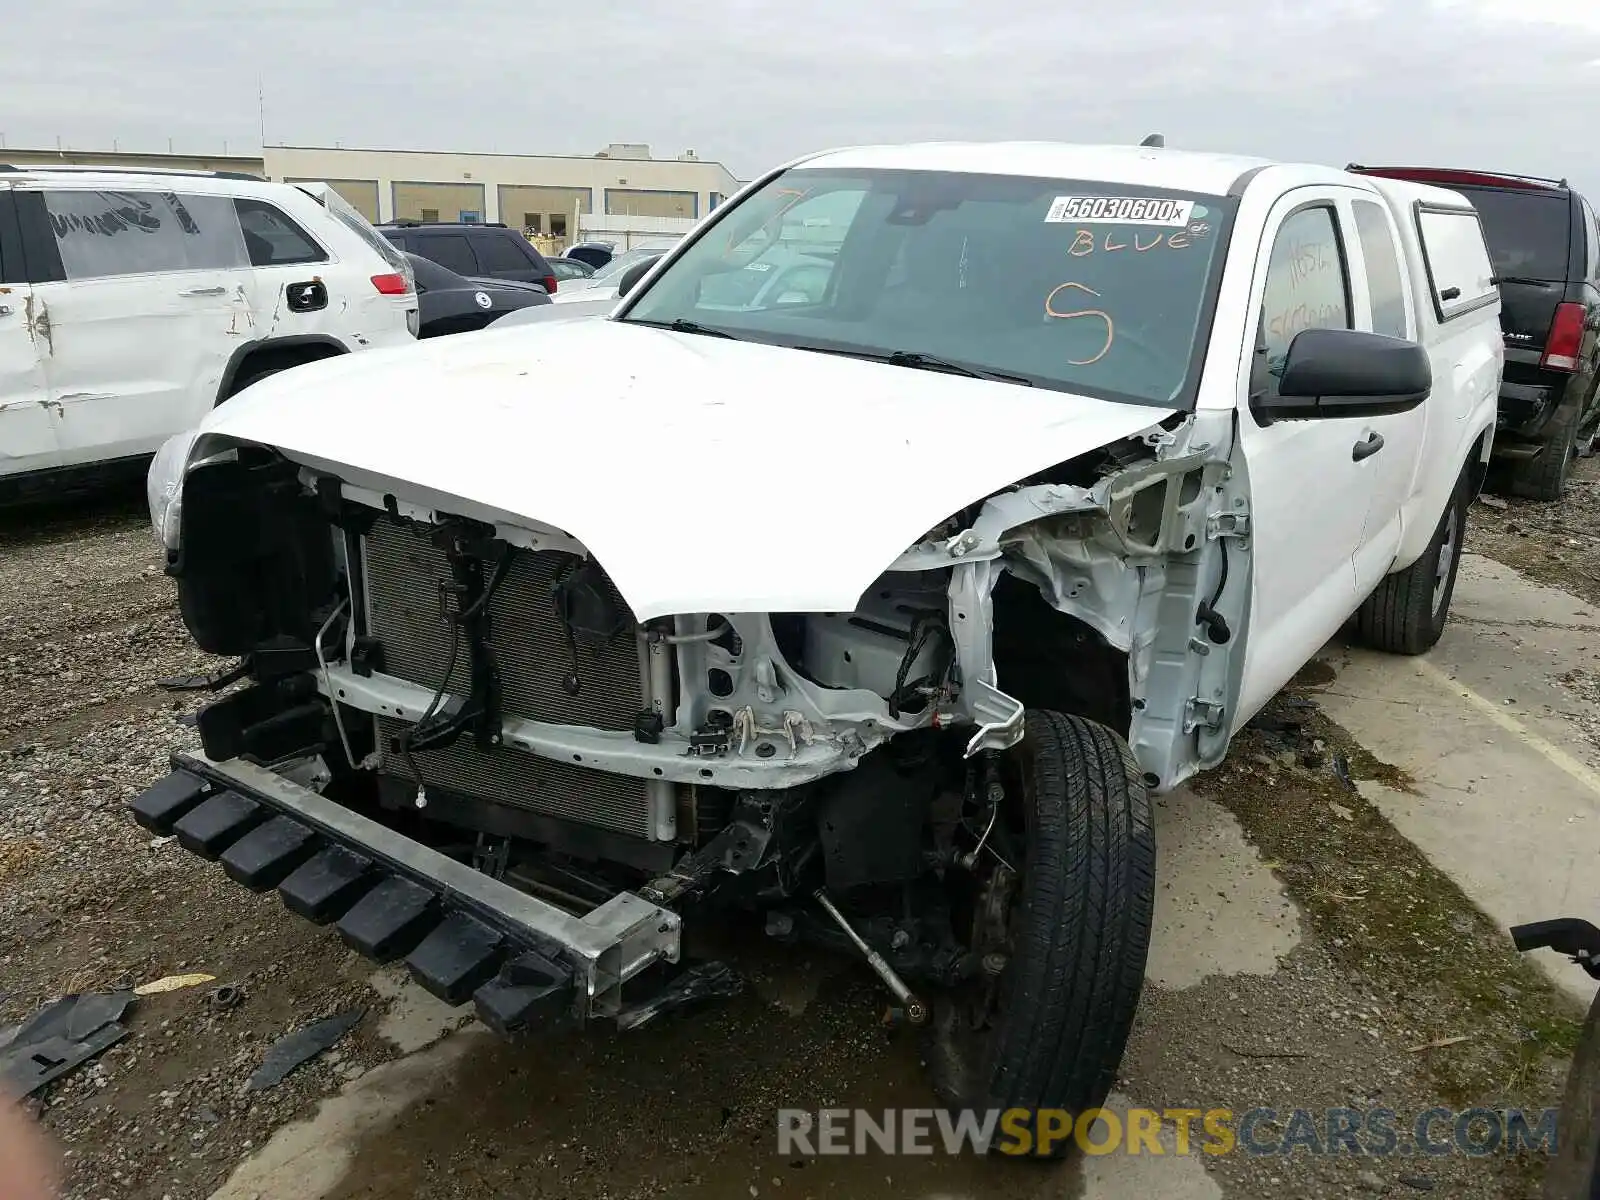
603 157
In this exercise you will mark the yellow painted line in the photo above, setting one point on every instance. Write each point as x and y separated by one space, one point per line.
1554 754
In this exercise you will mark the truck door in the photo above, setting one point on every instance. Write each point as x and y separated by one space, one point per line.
142 293
1383 301
27 426
1309 480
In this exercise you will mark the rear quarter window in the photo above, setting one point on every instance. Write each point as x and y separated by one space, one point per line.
1460 274
503 254
1383 270
450 250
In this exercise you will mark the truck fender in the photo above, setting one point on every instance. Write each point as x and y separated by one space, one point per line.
1427 504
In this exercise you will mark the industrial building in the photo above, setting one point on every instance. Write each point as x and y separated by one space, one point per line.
538 193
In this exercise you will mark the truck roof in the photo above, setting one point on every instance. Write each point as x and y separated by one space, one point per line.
1146 166
1404 193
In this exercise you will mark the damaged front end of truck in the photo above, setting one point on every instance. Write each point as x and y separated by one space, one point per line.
458 741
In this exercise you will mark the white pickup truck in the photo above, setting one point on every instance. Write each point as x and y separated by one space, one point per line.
881 606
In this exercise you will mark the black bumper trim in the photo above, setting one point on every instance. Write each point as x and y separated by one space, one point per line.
464 935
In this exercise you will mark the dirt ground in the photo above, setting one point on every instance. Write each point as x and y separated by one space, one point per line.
1388 955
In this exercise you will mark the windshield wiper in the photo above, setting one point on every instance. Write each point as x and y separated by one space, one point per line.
916 360
929 362
682 326
1544 283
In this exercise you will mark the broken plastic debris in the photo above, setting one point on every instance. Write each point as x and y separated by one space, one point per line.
294 1049
172 983
61 1036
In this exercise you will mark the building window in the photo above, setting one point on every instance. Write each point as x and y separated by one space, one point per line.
716 199
430 214
471 216
558 225
533 223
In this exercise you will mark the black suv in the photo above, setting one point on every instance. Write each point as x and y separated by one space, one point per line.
1545 246
474 250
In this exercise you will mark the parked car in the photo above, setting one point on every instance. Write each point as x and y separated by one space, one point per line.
883 613
132 303
1545 245
775 279
570 268
574 309
451 303
473 249
605 280
596 254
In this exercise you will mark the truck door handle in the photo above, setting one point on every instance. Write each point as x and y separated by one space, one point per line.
210 291
1367 448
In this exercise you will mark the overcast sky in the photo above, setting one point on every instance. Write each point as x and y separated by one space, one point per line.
1500 84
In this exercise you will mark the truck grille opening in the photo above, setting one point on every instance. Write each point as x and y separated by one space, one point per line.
406 613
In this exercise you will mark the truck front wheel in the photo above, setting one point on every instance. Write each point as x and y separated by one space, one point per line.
1046 1027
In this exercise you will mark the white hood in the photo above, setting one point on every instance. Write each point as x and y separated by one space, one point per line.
705 475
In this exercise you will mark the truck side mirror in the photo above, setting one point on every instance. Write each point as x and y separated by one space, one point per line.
1347 373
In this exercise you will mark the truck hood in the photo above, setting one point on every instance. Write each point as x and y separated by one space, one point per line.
705 475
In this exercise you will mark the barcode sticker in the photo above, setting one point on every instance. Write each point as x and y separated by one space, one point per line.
1119 210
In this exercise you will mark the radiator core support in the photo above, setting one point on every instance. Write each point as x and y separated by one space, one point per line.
551 668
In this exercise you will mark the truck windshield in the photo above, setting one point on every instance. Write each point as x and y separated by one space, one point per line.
1096 288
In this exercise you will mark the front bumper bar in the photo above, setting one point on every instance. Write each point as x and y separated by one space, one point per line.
462 934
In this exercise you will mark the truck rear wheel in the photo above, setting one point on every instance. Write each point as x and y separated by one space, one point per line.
1545 477
1048 1031
1407 611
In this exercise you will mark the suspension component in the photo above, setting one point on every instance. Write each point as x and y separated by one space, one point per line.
916 1011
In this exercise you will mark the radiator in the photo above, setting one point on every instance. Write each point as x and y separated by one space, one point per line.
403 573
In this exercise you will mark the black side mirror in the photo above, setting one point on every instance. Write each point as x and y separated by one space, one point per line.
1347 373
632 276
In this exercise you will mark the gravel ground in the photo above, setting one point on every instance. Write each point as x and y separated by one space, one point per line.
89 901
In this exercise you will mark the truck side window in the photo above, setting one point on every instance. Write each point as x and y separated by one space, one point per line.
1307 287
1383 269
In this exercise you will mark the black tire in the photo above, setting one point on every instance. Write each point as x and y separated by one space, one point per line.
1081 932
245 378
1545 477
1574 1172
1406 613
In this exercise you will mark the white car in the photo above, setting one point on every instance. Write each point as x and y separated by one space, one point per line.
882 607
604 282
132 303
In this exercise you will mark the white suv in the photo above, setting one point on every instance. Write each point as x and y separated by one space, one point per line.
131 303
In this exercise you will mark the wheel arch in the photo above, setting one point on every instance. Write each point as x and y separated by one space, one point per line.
1428 504
290 350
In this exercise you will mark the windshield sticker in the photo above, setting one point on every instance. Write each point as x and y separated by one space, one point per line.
1119 210
1075 314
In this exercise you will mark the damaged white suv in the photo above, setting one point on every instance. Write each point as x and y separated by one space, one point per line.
881 606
